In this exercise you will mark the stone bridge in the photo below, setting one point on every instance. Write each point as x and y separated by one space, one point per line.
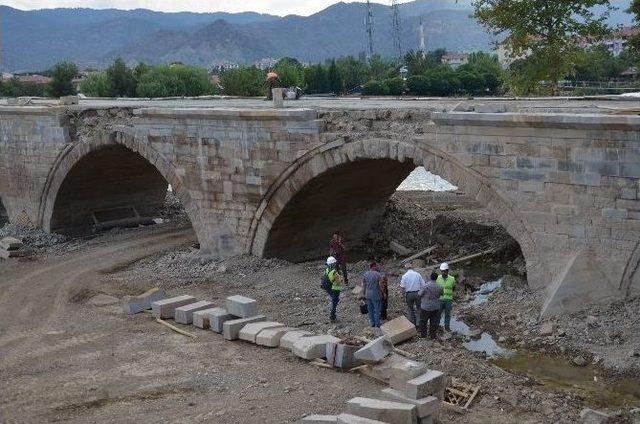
277 182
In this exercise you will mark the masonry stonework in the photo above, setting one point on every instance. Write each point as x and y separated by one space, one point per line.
278 182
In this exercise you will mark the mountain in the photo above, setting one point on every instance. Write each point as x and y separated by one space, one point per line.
34 40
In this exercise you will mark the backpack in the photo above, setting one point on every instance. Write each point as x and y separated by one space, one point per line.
325 283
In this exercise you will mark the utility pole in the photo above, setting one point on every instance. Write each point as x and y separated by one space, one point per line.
396 28
369 28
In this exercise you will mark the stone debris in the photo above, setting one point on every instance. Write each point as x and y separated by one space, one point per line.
375 351
103 300
217 318
271 337
546 329
10 243
231 328
201 318
427 407
288 339
431 383
250 332
319 419
403 370
399 330
341 355
184 314
136 304
165 308
399 249
591 416
383 410
353 419
313 347
242 306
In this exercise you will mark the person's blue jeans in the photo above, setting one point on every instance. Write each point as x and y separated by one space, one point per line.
334 295
375 309
445 307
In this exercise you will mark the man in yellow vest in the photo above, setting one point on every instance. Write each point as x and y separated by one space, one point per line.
447 282
334 279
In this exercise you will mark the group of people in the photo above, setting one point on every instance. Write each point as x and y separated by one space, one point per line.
426 301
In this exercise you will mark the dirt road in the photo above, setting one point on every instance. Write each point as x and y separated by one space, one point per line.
63 359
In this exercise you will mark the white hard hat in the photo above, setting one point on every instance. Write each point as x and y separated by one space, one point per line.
444 266
332 261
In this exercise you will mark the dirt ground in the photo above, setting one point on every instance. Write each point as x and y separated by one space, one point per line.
65 358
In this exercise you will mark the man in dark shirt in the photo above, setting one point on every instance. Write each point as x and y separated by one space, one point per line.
337 250
430 307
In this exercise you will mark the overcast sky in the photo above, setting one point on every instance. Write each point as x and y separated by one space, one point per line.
274 7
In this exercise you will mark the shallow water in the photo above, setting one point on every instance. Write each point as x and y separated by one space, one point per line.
557 373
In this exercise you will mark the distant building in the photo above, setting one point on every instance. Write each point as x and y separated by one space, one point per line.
266 63
5 76
34 79
455 60
617 43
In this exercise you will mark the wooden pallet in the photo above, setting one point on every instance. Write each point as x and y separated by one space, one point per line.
459 395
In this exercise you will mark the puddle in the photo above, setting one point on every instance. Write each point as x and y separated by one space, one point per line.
484 344
557 373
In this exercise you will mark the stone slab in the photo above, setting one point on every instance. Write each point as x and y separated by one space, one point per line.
399 330
591 416
250 332
427 407
10 243
319 419
313 347
165 308
136 304
340 355
242 306
217 318
383 410
375 351
231 328
431 383
270 337
201 318
288 339
354 419
184 314
403 370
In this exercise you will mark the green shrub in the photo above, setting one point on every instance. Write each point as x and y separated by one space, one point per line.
419 85
395 85
375 88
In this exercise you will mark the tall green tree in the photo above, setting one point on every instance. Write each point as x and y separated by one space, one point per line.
290 72
316 80
121 79
335 78
96 85
62 75
547 30
634 42
353 72
243 82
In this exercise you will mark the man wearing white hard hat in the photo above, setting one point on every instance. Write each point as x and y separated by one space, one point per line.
447 282
333 282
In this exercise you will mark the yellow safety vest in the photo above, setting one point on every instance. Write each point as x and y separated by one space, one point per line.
447 286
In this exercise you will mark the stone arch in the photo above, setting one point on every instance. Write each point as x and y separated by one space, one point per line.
339 156
119 144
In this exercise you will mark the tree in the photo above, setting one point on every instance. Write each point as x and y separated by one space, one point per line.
381 68
375 88
634 42
418 62
335 78
174 81
243 82
290 72
546 30
62 75
121 79
316 80
352 72
96 85
395 86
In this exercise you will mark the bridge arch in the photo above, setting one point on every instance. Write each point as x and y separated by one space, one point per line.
121 169
363 174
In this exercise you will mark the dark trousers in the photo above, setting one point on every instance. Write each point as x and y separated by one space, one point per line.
383 308
334 295
343 270
413 307
433 320
445 308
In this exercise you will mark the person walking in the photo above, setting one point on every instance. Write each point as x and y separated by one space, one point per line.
335 280
384 286
372 284
447 282
338 251
412 282
430 307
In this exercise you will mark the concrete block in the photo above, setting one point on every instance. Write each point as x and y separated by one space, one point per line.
354 419
135 304
288 339
398 330
217 318
184 314
250 332
270 337
591 416
201 318
231 328
383 410
431 383
313 347
427 407
165 308
319 419
340 355
241 306
403 370
375 351
10 243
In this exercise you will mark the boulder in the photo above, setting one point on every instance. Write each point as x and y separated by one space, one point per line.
398 330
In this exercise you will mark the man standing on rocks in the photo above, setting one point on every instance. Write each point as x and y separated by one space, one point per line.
412 282
338 251
332 274
430 307
372 285
447 282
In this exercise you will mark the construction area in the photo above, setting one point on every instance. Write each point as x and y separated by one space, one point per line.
133 324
